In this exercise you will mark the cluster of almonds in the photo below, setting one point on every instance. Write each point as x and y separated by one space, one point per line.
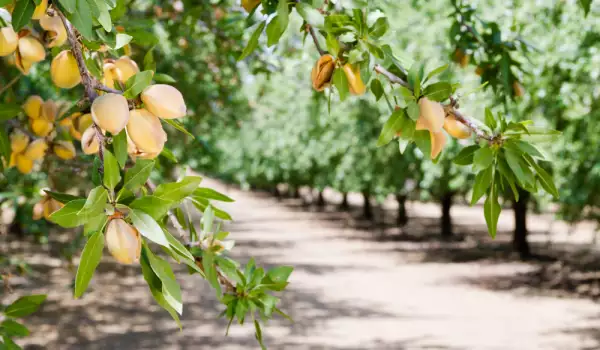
45 207
432 114
28 48
322 74
145 135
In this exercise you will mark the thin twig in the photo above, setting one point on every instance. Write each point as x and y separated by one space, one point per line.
99 86
313 34
450 109
11 83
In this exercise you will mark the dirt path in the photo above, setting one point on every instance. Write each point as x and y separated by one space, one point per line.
347 292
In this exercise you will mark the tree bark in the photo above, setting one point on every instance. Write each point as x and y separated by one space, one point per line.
320 199
402 218
344 205
297 192
367 209
446 218
520 243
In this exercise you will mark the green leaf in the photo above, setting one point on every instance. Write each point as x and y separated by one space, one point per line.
151 205
148 227
280 273
155 284
491 210
483 158
465 156
253 42
406 93
138 174
310 15
412 110
112 176
120 147
482 183
177 125
94 224
379 28
436 71
391 127
95 203
13 328
81 18
25 305
377 89
62 197
258 335
69 5
208 263
513 159
176 191
5 148
164 78
104 16
209 193
137 83
9 111
414 79
544 178
201 204
67 215
586 6
149 63
22 13
90 258
333 44
170 288
440 91
525 147
341 83
508 176
490 121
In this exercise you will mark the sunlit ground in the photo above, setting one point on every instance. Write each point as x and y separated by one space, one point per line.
355 286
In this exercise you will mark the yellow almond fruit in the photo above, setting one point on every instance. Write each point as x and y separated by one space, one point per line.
438 141
146 155
33 106
123 241
431 116
164 101
355 83
31 50
36 150
24 164
41 127
38 210
18 141
64 70
125 68
56 34
50 206
49 111
40 10
322 72
89 141
131 147
13 159
109 75
110 112
250 5
455 128
146 132
8 41
83 122
64 150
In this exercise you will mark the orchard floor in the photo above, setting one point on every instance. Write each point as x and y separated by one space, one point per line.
354 287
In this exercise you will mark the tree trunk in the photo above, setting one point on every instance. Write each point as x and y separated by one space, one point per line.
520 243
367 209
321 199
275 192
297 192
344 205
446 218
402 218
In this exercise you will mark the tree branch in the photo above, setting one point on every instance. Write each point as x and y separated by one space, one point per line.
313 34
450 109
11 83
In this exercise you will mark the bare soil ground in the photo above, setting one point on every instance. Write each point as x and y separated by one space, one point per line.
355 286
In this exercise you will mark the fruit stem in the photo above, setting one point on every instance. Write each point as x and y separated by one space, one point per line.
311 30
